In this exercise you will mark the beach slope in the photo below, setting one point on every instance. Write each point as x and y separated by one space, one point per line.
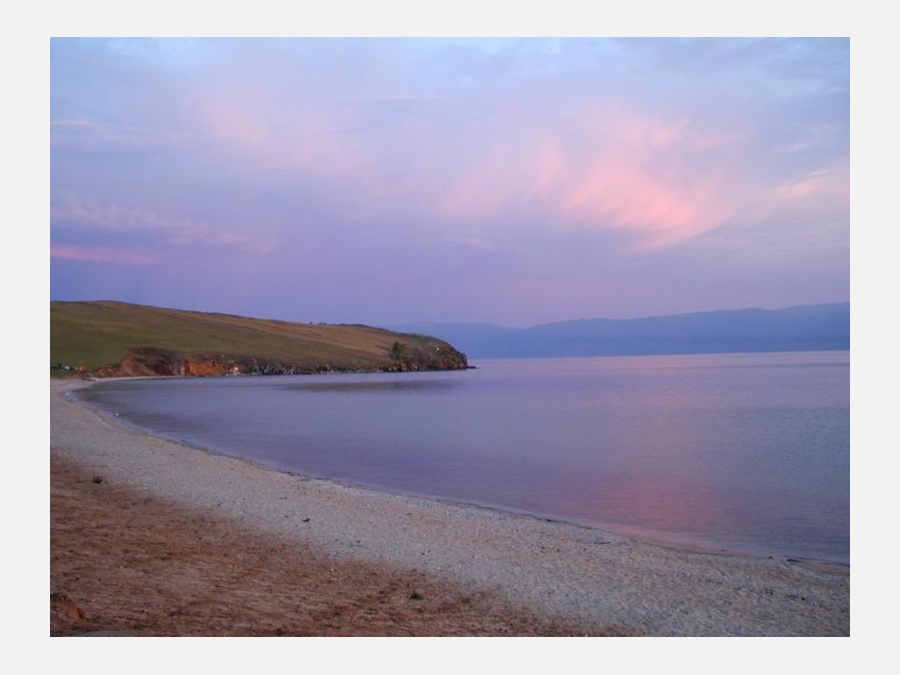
149 537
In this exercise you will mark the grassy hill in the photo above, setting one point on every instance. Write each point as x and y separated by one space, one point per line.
115 338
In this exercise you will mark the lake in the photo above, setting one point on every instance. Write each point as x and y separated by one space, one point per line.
741 452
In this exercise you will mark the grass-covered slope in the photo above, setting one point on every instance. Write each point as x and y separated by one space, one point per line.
115 338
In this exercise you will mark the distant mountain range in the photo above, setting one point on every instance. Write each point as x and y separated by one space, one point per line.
803 328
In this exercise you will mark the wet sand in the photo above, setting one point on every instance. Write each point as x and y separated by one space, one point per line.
148 537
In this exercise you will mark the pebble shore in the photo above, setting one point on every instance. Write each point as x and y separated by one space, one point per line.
588 576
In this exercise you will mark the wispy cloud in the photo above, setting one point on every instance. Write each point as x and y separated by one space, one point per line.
599 163
88 135
116 256
70 212
658 179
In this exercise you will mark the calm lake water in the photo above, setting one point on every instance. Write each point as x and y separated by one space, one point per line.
743 452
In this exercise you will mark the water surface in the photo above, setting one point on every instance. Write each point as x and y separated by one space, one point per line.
743 452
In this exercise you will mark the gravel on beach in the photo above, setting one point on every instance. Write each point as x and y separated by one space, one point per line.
388 564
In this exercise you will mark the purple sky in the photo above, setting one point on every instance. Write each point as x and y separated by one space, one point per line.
513 181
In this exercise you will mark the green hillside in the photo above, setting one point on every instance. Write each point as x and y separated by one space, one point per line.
89 336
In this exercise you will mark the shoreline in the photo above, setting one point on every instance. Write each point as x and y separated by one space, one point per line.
596 581
651 537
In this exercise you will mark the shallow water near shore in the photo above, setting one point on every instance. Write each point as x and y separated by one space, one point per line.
747 453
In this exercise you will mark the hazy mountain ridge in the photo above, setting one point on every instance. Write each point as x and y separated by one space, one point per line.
800 328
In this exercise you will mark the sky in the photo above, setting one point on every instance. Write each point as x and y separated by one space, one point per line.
512 181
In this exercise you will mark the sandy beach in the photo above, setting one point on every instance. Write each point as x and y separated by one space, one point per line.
148 537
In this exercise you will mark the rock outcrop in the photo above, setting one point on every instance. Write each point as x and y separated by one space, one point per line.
433 355
154 362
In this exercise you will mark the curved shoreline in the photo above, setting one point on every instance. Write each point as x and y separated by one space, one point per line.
595 578
762 539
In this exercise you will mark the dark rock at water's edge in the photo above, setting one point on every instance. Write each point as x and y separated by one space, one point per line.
431 355
155 362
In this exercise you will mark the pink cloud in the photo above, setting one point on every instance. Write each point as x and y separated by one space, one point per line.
659 180
658 210
576 162
250 125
